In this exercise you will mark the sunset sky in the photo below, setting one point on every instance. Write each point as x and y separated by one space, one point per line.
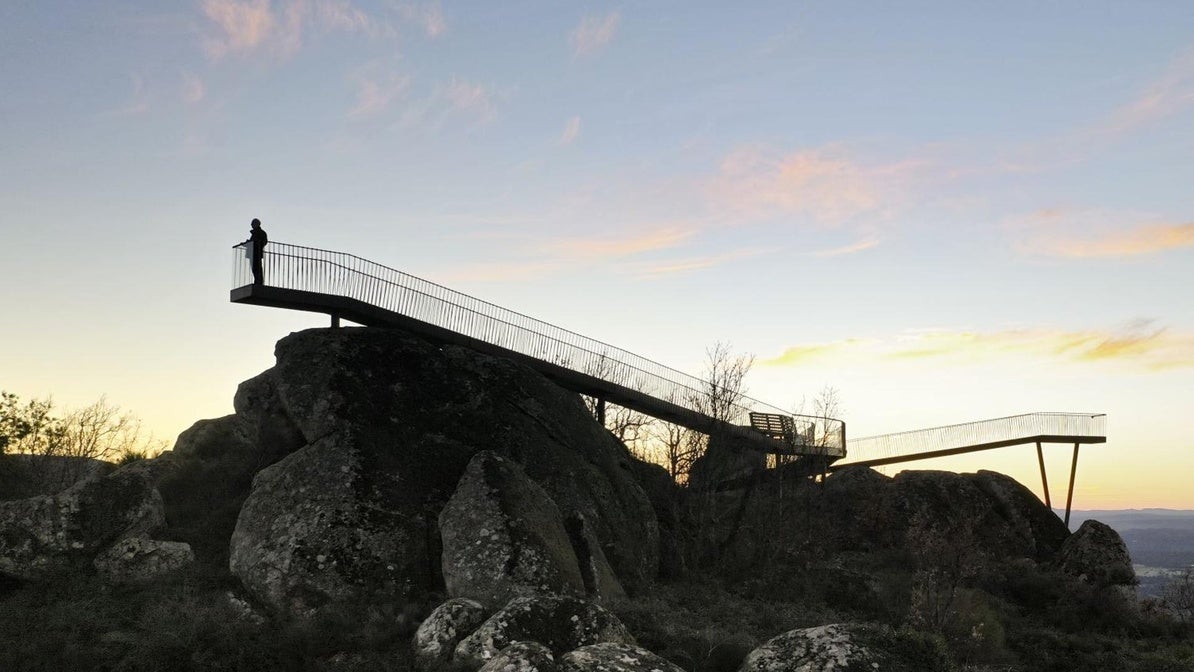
948 211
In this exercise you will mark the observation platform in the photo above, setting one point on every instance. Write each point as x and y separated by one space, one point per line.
348 287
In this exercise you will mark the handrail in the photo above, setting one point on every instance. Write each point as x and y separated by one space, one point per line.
346 275
1005 430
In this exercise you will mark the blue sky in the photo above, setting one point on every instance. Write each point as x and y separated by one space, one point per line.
949 211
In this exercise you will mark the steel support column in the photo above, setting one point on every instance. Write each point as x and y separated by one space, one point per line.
1040 458
1069 498
601 411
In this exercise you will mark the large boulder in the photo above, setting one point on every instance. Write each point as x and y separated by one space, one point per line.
48 533
503 537
847 646
206 478
314 531
865 510
1097 554
1037 532
724 460
405 417
560 623
214 438
611 657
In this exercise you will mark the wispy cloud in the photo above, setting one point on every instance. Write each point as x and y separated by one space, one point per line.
1093 234
853 248
242 27
470 96
1142 344
342 15
803 354
375 94
513 271
1165 96
571 132
643 253
193 89
824 184
616 247
138 102
658 269
429 16
594 33
459 100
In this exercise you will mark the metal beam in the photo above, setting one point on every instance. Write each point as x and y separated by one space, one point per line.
1040 458
912 457
1069 498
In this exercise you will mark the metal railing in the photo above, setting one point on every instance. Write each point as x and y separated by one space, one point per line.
346 275
982 432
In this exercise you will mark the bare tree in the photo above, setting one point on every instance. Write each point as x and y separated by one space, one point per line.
102 431
630 427
1178 595
72 442
676 447
723 384
719 398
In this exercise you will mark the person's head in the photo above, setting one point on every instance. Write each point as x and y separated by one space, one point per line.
256 223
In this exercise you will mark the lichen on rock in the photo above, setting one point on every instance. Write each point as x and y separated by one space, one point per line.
47 533
611 657
503 536
560 623
1097 554
439 633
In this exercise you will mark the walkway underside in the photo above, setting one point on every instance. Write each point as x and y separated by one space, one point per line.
372 316
946 452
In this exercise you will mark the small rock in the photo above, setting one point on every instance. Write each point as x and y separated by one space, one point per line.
609 657
828 647
522 657
561 623
139 559
442 630
846 646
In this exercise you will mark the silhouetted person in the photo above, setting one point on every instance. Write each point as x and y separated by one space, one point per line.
257 240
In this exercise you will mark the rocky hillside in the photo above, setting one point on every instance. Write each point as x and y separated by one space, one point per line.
419 505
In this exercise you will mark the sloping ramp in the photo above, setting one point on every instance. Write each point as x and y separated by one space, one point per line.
349 287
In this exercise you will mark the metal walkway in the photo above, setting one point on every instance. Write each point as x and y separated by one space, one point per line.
971 437
349 287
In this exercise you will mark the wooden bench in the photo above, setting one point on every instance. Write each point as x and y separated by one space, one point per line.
783 427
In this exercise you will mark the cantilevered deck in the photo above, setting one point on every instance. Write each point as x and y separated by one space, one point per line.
972 437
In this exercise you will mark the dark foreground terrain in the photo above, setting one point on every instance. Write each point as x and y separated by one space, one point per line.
378 502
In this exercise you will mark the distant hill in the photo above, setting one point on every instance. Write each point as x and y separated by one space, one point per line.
1161 541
